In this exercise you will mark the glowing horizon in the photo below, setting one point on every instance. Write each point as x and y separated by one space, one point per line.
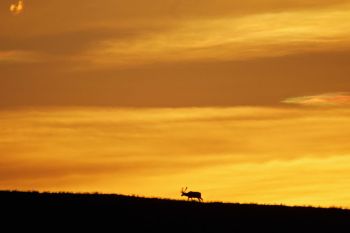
230 154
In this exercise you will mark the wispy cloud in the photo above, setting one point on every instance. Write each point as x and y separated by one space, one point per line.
17 8
232 38
20 56
328 99
269 30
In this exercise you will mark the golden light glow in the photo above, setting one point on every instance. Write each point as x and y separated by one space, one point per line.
264 155
17 8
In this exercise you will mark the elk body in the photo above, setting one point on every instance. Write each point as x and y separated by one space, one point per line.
191 195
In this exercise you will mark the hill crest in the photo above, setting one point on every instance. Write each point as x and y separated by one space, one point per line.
92 210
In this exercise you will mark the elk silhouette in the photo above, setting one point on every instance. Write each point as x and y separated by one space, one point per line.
191 195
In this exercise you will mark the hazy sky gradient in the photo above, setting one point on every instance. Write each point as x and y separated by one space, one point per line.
244 100
191 53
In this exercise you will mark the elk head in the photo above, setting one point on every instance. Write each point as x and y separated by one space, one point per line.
183 191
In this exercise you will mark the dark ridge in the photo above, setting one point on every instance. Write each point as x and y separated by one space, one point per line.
119 213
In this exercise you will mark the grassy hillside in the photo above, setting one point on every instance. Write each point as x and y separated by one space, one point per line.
118 213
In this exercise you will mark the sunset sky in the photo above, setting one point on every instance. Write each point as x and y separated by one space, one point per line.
245 101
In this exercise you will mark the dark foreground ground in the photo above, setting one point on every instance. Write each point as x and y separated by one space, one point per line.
67 212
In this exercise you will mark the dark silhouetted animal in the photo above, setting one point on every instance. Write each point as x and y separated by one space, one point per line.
191 195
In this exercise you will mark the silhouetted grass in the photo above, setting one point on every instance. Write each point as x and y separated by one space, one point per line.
119 213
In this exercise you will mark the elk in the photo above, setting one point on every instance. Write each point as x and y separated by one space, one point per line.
191 195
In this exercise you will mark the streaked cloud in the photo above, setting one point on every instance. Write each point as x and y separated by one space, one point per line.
230 154
21 56
17 8
328 99
271 30
232 38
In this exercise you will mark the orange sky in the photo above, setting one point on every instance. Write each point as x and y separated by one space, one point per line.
246 101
